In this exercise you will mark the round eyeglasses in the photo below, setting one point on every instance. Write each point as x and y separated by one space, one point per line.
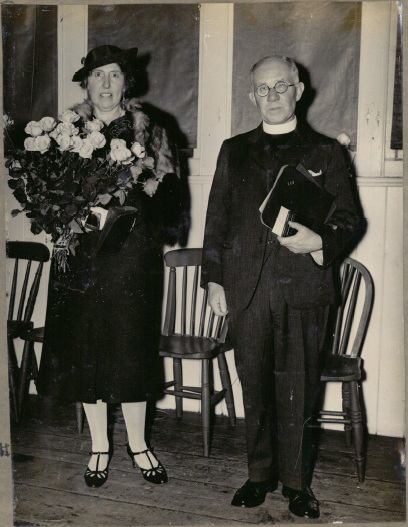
280 87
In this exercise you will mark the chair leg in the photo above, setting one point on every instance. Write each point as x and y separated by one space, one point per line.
13 378
79 411
205 404
226 384
178 379
24 375
357 425
345 392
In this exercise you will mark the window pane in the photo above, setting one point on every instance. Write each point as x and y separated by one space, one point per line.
168 40
322 38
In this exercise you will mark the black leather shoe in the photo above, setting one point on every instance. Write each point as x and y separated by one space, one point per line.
155 474
96 478
252 494
302 502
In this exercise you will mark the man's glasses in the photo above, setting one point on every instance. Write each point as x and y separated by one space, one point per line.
113 75
280 87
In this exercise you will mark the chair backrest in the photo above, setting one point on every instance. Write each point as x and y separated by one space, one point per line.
187 301
346 319
31 252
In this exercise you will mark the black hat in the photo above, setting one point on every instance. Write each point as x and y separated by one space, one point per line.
102 55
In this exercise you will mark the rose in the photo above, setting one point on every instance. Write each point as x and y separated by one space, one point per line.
93 126
148 162
344 139
97 139
64 141
7 121
69 116
138 150
33 128
150 186
67 128
29 144
47 123
77 143
86 149
119 152
54 134
42 143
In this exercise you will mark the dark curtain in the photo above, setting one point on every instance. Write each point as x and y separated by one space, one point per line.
396 130
322 38
168 40
30 71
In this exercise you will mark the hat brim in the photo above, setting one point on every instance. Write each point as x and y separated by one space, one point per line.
128 55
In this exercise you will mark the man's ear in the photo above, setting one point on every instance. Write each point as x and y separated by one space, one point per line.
252 98
299 90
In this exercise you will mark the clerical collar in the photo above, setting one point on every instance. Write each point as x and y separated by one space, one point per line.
276 129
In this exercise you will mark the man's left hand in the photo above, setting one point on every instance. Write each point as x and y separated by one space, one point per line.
303 242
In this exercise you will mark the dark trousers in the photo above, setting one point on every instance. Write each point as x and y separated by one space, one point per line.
277 354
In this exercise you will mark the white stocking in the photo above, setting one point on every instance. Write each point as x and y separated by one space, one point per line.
135 419
96 415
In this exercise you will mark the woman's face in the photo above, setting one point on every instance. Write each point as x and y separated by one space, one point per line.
106 85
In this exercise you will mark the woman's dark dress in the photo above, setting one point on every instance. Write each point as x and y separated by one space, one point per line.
101 321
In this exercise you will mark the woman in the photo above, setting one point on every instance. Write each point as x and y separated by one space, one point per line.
96 342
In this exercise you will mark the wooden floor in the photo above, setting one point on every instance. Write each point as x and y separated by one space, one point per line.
50 458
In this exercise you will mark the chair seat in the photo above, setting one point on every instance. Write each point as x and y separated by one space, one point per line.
188 347
341 368
33 334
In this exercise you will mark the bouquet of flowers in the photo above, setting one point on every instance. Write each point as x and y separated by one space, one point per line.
65 169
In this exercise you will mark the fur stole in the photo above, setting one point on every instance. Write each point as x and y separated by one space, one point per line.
153 137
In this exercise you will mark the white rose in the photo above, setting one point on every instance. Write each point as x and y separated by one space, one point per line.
33 128
344 139
97 139
47 123
67 129
138 150
69 116
94 126
77 143
64 141
119 152
43 143
29 144
150 186
54 134
86 149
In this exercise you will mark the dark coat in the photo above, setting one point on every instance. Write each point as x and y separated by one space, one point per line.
235 241
103 314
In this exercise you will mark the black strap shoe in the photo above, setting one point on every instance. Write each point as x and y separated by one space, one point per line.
302 502
252 494
96 478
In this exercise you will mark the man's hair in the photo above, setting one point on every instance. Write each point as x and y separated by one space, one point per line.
287 60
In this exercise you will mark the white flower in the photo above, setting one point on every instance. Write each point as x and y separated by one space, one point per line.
93 126
29 144
69 116
77 143
67 129
43 143
47 123
119 152
7 121
344 139
150 186
33 128
138 150
64 141
97 139
148 162
86 149
54 134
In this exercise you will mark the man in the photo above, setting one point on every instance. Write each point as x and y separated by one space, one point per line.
276 290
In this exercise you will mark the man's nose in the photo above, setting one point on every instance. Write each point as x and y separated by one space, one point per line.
273 95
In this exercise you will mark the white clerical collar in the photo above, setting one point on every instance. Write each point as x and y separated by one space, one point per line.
275 129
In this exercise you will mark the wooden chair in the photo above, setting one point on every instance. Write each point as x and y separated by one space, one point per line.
202 341
20 324
343 364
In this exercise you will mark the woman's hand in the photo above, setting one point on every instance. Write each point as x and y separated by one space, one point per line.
303 242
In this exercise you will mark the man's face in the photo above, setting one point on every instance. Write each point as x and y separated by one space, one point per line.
276 108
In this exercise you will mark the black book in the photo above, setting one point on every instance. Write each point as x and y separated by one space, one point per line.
296 196
119 222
